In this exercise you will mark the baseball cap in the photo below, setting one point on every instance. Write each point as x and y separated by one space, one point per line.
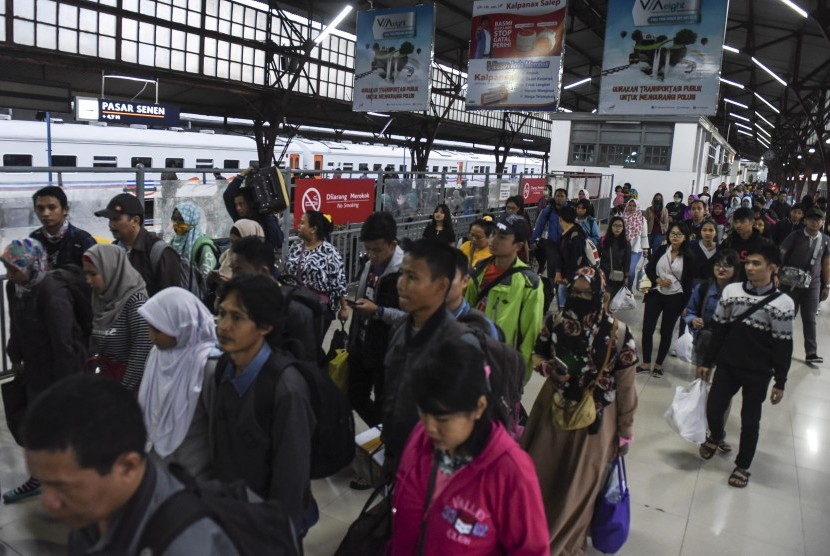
814 212
514 224
123 203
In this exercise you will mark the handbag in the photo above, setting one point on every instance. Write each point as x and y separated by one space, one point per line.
369 534
612 511
105 366
572 415
797 278
623 300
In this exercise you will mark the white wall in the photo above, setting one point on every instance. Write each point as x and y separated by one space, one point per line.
687 169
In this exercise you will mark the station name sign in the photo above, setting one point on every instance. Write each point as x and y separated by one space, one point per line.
128 112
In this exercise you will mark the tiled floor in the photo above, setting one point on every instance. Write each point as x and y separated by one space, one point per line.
681 505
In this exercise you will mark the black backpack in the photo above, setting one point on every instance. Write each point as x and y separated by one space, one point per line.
268 190
332 443
190 277
73 278
295 292
254 527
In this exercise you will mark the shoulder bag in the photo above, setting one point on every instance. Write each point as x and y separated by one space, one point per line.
797 278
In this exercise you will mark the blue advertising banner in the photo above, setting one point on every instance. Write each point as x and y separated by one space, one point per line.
393 56
662 57
516 55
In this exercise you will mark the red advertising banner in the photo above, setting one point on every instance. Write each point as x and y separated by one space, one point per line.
346 200
533 189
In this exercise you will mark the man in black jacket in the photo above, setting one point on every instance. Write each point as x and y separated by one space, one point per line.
744 237
571 251
64 243
126 215
779 207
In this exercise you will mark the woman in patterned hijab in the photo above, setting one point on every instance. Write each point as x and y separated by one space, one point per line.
581 347
26 263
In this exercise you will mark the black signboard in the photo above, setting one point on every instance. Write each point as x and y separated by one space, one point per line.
128 112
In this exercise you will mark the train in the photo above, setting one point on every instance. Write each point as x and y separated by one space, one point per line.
24 144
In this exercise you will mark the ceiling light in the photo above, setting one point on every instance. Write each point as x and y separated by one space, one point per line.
578 83
563 109
764 131
744 132
378 114
739 124
762 141
333 25
731 49
765 101
733 83
769 71
739 117
796 8
811 150
736 103
766 121
799 157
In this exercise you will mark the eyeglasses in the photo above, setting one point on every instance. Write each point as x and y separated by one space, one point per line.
724 266
676 234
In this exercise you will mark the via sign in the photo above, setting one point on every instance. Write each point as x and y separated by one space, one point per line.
128 112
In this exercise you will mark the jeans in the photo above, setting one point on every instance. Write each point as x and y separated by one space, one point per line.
632 270
753 385
655 241
561 295
807 300
670 306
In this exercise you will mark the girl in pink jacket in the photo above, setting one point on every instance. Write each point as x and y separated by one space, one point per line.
464 486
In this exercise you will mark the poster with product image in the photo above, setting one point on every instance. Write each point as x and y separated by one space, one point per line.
516 55
662 58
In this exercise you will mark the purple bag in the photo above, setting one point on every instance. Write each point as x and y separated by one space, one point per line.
612 511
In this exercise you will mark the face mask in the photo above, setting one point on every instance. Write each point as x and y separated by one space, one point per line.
658 205
678 199
180 228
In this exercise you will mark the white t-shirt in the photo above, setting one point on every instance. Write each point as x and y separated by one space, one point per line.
670 270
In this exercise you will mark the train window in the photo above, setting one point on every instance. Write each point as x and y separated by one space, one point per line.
401 167
363 167
377 167
435 168
145 161
348 166
253 163
64 160
104 161
446 168
204 163
231 164
17 160
174 163
331 164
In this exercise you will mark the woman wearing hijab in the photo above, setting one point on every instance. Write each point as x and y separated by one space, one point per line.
585 351
687 212
241 228
119 334
183 334
657 217
46 341
721 220
637 236
189 242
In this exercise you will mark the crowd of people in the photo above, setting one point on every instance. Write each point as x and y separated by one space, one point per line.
213 381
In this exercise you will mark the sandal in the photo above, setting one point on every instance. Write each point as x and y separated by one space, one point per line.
657 373
724 446
708 449
739 477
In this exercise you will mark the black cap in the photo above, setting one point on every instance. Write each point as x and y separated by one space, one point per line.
123 203
514 224
814 212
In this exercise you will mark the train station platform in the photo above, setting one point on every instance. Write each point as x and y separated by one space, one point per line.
681 505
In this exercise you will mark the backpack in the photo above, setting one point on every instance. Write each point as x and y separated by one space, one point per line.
254 527
268 190
73 278
190 277
332 443
295 292
202 243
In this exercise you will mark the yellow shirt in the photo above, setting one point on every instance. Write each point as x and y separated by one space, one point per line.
478 256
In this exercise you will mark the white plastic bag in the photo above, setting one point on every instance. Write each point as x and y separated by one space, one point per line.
685 346
687 413
623 300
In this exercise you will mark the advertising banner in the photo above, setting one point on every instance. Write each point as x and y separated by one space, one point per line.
393 56
516 55
532 189
345 200
662 57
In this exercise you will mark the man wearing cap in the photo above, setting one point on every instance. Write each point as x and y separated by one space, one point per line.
808 251
507 290
126 216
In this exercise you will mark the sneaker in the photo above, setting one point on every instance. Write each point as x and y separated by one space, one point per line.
643 370
814 359
657 373
26 490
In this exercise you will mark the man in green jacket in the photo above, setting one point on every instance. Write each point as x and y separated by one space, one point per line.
507 290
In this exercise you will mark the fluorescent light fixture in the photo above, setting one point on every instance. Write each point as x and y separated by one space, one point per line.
769 71
766 121
739 117
739 124
731 49
733 83
128 78
736 103
578 83
526 140
563 109
333 25
799 157
764 131
811 150
796 8
765 101
744 132
378 114
762 141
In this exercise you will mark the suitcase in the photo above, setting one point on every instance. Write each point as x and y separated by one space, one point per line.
268 190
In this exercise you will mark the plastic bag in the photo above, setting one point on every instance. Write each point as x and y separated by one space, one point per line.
685 346
687 413
623 300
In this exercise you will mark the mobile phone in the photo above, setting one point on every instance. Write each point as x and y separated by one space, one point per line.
351 302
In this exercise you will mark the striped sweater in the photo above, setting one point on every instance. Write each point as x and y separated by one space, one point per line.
127 341
762 342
